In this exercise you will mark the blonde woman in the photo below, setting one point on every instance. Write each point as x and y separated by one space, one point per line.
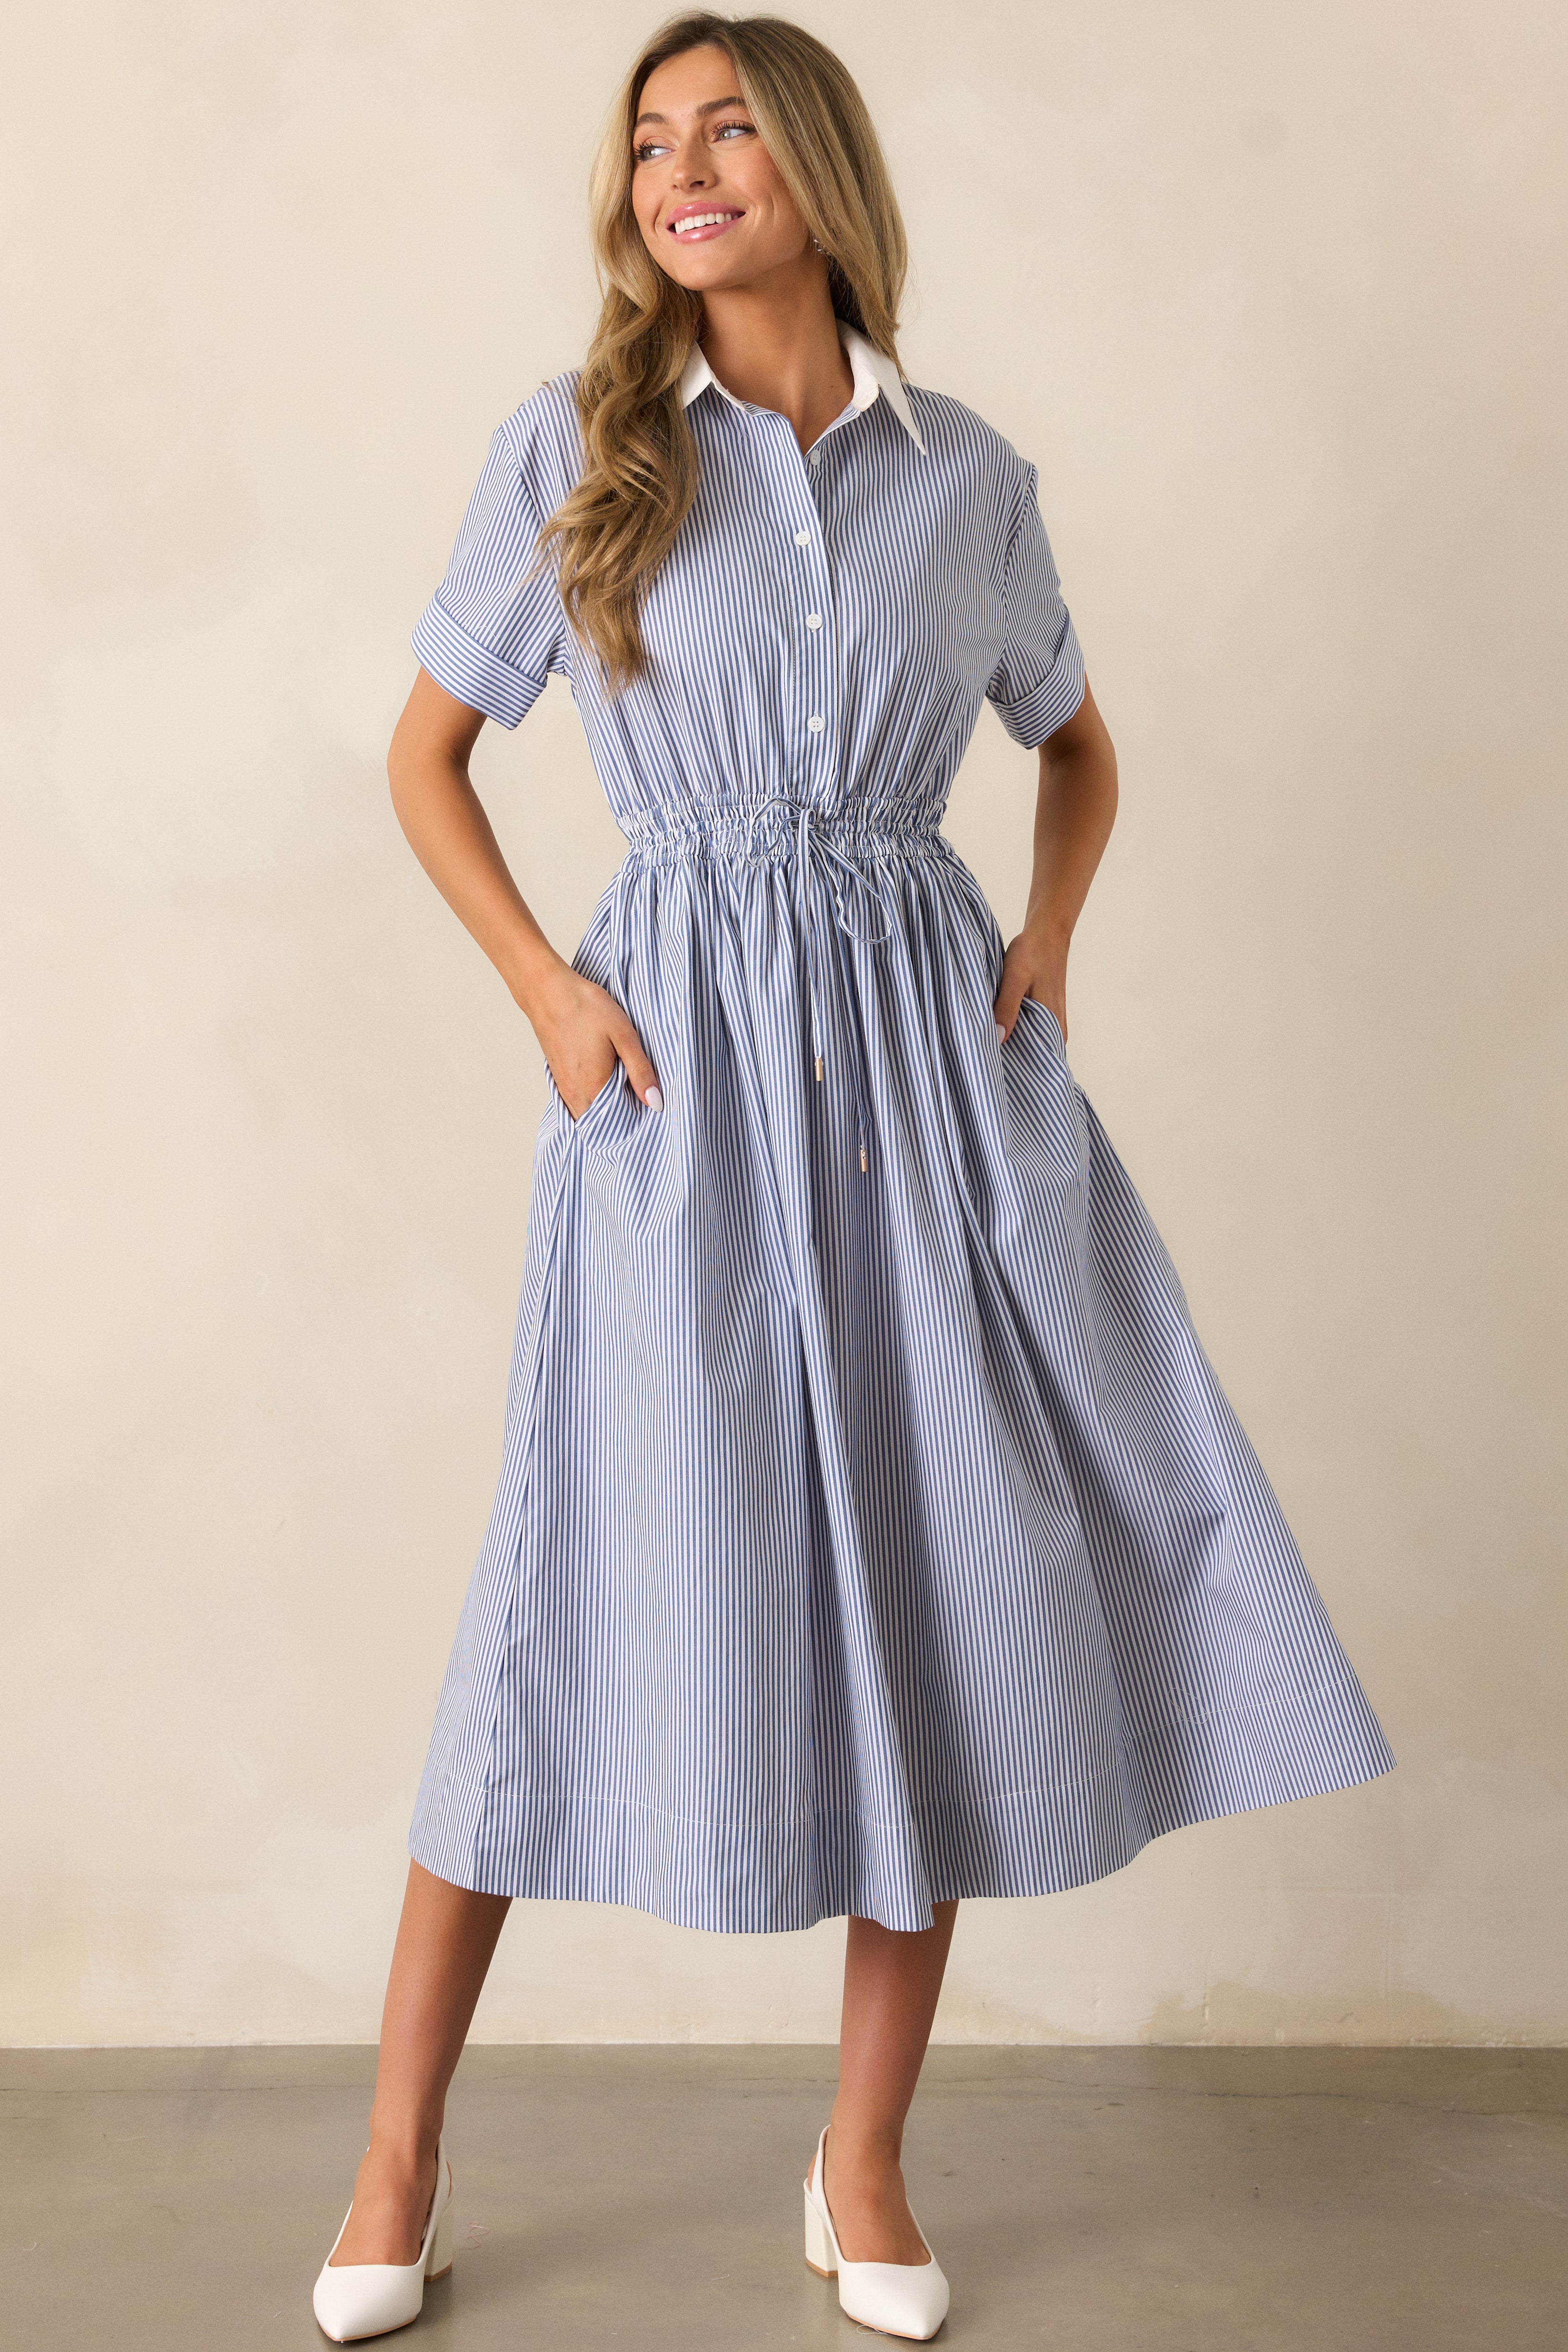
872 1532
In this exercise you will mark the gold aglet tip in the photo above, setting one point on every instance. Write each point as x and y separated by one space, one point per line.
819 1066
862 1160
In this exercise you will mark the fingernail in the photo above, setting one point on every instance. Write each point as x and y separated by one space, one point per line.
1000 1032
653 1098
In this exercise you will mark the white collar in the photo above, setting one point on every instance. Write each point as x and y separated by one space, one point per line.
872 370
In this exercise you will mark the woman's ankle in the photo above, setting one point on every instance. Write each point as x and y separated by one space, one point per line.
403 2148
876 2145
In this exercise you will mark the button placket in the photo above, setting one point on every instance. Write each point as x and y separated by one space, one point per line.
818 705
815 665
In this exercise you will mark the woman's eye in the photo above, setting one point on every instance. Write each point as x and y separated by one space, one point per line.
645 152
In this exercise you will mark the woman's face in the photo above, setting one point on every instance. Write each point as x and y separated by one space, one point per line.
713 209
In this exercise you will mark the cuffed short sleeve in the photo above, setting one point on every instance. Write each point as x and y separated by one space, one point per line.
1037 683
491 634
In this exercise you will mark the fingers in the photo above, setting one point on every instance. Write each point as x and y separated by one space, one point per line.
1004 1010
641 1075
589 1020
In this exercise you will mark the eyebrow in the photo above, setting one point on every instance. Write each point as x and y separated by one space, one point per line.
709 106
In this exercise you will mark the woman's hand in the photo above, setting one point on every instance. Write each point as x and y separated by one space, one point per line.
583 1033
1035 964
583 1030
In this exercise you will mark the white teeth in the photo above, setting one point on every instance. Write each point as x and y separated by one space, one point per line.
703 220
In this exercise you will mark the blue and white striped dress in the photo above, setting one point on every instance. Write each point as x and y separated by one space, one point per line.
871 1527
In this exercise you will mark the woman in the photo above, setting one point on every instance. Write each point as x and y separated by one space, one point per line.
872 1532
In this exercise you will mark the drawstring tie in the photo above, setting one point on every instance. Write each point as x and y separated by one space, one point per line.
810 841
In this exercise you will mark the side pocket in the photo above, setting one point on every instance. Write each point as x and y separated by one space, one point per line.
575 1126
1052 1028
1044 1108
606 1123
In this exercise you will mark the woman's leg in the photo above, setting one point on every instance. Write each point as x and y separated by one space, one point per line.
445 1938
891 1985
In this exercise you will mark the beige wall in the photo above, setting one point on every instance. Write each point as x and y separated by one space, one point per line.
1272 296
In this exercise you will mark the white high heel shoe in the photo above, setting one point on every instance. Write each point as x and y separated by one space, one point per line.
361 2299
898 2298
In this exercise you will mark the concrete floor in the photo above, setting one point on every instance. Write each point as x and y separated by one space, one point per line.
1087 2201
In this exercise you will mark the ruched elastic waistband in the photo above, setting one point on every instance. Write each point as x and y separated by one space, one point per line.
770 829
842 848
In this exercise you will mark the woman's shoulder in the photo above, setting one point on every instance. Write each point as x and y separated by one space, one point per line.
965 441
546 425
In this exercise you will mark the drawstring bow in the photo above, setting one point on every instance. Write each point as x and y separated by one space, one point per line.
810 842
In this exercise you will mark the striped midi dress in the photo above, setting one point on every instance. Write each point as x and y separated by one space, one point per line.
871 1527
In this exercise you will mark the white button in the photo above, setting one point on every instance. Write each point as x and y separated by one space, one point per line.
814 620
814 723
802 539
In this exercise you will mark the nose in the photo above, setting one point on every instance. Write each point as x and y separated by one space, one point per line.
691 165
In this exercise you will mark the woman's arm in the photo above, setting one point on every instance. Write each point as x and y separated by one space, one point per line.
580 1027
1073 816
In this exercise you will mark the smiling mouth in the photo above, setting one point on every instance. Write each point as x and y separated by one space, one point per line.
695 226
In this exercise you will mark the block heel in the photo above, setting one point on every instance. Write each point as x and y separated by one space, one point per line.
440 2259
357 2300
819 2253
907 2299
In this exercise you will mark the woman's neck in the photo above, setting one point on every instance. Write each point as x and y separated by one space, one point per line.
776 345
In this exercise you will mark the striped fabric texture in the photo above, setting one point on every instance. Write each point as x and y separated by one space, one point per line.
871 1527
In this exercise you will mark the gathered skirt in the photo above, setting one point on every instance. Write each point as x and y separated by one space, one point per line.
871 1527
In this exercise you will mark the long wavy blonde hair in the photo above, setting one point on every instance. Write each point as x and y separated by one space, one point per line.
640 465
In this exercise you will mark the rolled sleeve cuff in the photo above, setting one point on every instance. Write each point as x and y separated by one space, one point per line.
469 671
1030 718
